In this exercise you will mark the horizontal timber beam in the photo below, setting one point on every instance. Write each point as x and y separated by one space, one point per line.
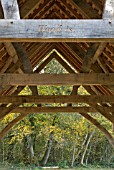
57 99
55 109
56 79
56 30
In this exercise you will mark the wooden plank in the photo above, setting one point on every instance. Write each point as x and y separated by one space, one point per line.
57 30
28 7
102 65
10 9
86 9
7 64
109 10
55 109
87 61
64 64
99 51
11 51
57 99
56 79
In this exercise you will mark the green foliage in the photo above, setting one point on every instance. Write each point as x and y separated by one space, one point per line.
68 134
63 164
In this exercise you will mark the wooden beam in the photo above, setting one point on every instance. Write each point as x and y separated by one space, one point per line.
87 116
45 62
8 110
93 103
87 61
27 67
64 64
28 110
99 51
10 9
28 7
57 99
109 10
100 127
7 64
102 65
85 68
11 124
76 5
57 30
11 51
86 10
56 79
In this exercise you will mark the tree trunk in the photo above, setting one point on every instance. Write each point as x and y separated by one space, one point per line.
83 143
86 147
100 127
25 150
49 145
87 157
10 150
73 154
30 146
48 150
3 152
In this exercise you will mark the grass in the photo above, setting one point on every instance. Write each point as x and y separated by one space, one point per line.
12 168
94 168
22 167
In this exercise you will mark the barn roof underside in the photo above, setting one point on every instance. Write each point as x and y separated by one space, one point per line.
84 57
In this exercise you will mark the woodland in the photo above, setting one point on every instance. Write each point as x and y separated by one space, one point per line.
55 139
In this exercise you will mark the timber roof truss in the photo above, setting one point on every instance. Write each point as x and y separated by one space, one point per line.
87 58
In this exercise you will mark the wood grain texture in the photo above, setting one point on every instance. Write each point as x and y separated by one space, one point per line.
57 99
56 79
28 7
56 110
99 51
10 9
57 30
109 10
88 58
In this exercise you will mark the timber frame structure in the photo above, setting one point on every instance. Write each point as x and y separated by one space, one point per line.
82 31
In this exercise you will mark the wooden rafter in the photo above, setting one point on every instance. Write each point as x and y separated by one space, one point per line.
88 59
28 7
11 11
99 51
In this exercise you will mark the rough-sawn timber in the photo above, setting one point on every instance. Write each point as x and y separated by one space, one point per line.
57 99
57 30
28 110
56 79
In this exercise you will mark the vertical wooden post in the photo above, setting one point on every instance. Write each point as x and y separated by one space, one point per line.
10 9
109 10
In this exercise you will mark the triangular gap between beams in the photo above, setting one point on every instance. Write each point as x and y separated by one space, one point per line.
53 55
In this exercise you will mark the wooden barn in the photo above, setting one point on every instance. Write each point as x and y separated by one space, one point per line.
82 32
